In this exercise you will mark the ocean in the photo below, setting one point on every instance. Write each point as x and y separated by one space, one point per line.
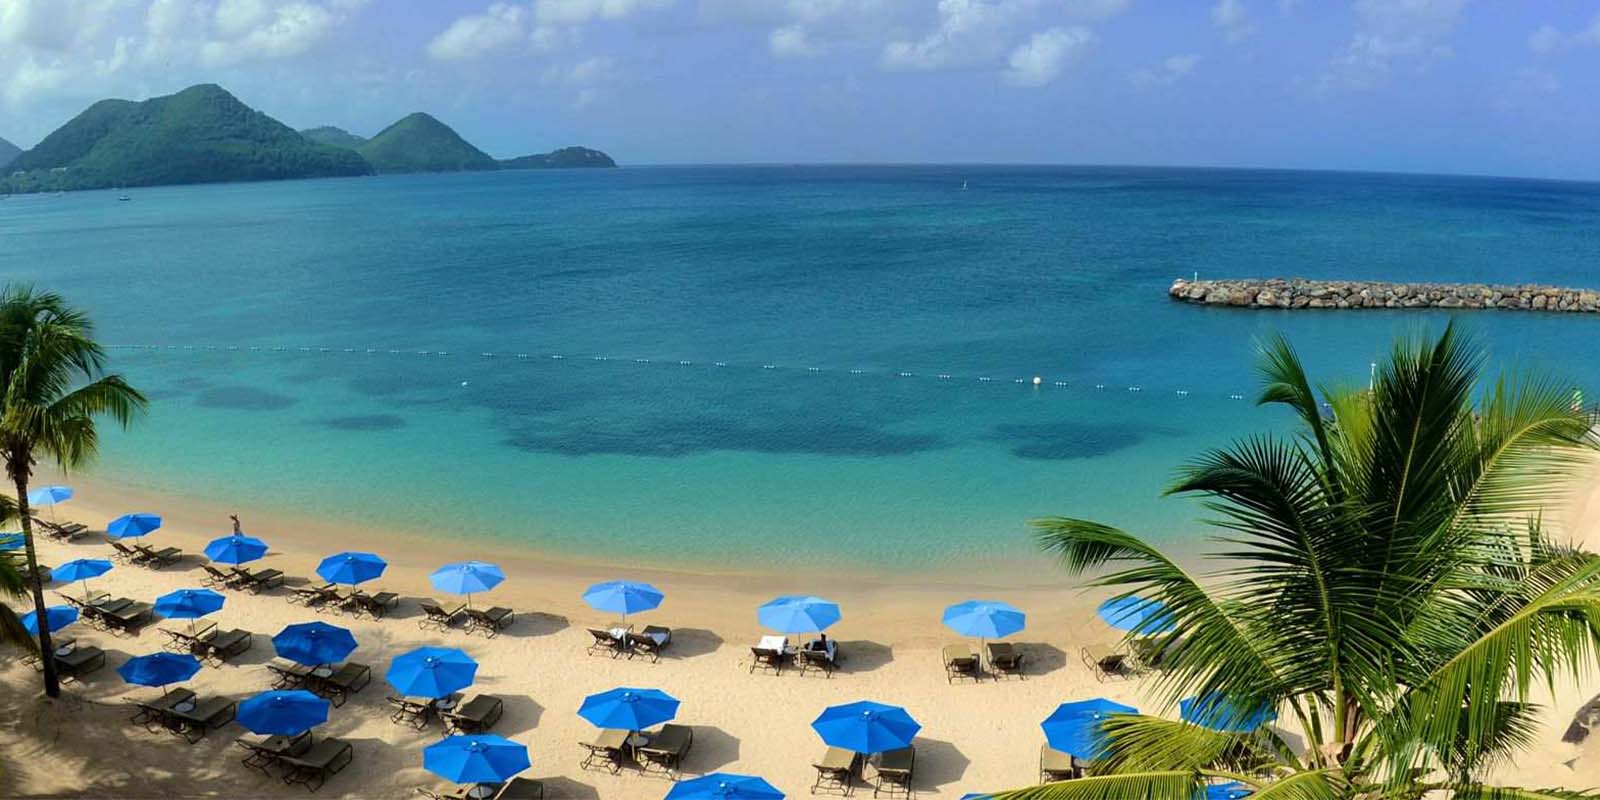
756 367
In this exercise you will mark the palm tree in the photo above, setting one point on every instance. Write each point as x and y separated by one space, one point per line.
52 376
11 585
1382 582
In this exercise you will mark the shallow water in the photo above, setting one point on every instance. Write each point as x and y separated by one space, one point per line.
798 296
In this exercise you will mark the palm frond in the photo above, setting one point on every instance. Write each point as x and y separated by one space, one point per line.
1137 743
1161 785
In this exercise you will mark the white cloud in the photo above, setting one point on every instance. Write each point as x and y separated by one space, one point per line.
969 32
1392 35
53 25
1041 59
792 41
577 12
290 30
239 17
1549 39
1234 19
477 35
1171 70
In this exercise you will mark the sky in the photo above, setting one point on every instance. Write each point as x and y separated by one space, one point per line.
1502 87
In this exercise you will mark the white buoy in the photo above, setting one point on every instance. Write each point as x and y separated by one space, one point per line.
1038 381
463 383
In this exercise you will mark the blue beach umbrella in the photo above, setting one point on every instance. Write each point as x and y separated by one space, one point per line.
56 617
467 577
724 786
1074 728
130 525
623 597
984 619
351 568
12 541
49 495
282 713
431 672
1219 713
159 669
188 603
797 614
481 758
235 548
81 570
866 727
628 709
314 643
1140 616
1232 790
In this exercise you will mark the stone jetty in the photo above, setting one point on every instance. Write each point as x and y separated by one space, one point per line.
1304 293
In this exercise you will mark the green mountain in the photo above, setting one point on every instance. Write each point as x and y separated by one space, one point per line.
420 143
336 137
562 158
199 135
8 152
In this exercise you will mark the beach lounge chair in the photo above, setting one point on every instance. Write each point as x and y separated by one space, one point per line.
345 681
521 789
1055 765
128 619
648 642
1005 658
319 762
489 622
1104 662
257 581
264 751
767 658
185 640
604 643
313 596
125 554
1148 650
155 559
217 579
960 661
216 647
434 617
95 612
666 750
476 715
205 715
65 531
406 712
819 655
63 643
374 605
45 573
79 661
287 674
893 771
606 752
153 714
836 772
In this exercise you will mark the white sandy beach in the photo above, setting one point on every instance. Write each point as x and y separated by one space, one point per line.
974 737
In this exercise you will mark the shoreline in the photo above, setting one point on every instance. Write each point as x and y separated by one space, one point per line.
975 737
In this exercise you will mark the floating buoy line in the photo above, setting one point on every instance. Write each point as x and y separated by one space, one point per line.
1035 382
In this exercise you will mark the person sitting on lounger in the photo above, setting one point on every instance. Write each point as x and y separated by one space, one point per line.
822 644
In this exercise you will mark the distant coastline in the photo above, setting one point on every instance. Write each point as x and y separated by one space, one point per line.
203 134
1296 293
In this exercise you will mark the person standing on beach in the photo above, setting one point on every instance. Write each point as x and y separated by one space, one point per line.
237 531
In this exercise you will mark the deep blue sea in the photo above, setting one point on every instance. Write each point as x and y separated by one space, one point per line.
755 366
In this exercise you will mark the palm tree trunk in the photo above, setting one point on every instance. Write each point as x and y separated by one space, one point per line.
47 654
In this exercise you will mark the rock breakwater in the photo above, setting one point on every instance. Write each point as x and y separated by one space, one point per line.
1304 293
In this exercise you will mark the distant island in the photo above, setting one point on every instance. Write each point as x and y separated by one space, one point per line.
203 134
338 137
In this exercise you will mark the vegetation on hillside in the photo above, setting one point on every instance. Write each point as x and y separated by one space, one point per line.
562 158
332 136
199 135
420 143
8 152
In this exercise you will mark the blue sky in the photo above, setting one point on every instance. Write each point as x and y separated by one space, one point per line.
1412 85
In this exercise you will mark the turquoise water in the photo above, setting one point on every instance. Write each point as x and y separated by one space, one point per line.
262 302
